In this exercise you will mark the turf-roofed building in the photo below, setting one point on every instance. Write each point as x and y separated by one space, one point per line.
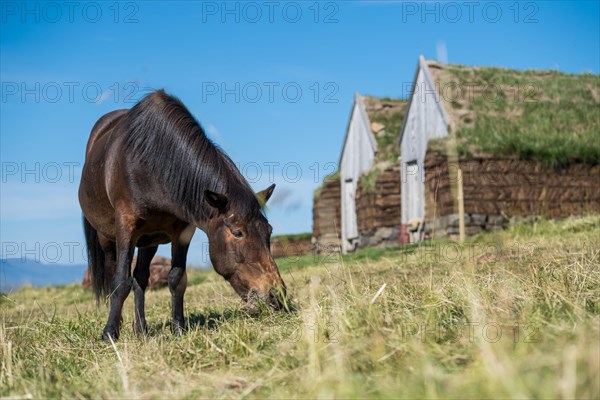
480 144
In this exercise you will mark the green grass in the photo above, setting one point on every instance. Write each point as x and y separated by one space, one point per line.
547 116
433 332
369 179
293 236
387 141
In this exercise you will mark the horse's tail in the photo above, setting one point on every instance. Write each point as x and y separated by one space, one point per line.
100 277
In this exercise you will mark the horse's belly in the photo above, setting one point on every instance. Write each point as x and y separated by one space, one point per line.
153 239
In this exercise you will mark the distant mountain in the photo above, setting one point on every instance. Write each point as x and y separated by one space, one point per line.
15 272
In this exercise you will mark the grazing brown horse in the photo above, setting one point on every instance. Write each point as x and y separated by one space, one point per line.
151 176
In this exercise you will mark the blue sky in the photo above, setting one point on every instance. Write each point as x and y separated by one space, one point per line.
271 82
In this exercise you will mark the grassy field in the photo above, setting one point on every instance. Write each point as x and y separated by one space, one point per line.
293 236
515 314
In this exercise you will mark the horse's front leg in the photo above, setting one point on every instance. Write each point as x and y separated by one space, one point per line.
121 283
141 273
178 276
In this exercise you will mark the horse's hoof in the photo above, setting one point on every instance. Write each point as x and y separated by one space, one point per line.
110 333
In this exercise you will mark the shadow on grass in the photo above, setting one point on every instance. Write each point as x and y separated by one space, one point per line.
212 320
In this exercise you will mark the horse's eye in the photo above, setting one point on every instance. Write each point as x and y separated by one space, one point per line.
238 234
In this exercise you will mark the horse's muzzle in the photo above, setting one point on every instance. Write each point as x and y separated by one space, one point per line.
275 298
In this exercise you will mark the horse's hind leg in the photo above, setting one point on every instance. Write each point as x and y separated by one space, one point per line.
121 283
110 256
141 273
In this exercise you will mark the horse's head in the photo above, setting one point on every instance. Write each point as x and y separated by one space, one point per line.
240 251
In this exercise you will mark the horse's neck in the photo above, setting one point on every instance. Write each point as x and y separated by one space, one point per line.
202 221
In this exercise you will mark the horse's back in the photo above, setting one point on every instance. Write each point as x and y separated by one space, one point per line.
104 126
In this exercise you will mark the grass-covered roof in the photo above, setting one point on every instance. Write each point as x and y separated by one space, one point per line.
548 116
386 116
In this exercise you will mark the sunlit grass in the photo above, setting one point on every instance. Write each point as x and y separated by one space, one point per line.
509 314
546 116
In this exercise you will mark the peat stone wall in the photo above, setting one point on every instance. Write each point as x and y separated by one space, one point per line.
327 217
378 208
496 189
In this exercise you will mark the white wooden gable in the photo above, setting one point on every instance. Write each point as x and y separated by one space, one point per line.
425 120
357 158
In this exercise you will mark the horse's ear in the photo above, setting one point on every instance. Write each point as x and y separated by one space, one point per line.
216 200
264 195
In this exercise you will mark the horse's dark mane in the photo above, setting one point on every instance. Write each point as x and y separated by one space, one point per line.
164 136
